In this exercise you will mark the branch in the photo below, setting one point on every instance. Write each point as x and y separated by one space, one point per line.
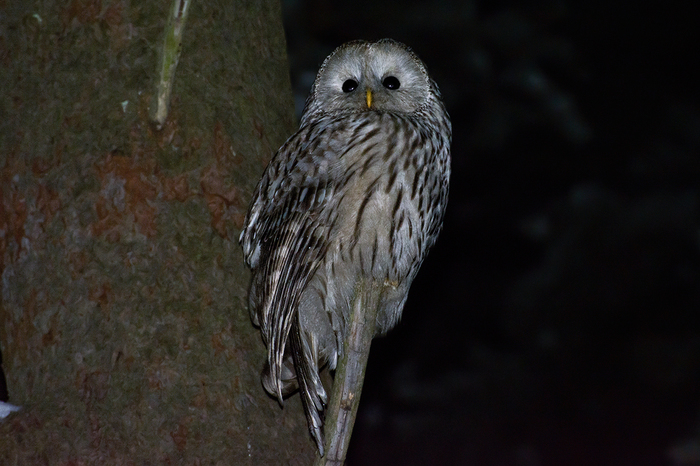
350 375
172 44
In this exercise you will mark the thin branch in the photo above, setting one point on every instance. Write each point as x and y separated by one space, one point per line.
172 44
350 375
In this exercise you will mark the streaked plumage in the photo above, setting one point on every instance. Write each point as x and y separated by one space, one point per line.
359 191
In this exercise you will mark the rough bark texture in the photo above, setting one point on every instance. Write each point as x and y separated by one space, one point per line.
123 320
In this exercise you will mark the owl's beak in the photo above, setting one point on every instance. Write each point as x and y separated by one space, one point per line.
369 98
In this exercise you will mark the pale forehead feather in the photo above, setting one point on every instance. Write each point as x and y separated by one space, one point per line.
378 59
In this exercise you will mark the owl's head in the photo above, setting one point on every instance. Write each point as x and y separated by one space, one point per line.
360 76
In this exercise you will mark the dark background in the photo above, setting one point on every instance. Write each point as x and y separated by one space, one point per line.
556 321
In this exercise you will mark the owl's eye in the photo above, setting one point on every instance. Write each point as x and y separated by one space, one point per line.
349 85
390 82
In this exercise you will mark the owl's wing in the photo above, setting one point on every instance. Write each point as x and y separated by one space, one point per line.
284 242
292 191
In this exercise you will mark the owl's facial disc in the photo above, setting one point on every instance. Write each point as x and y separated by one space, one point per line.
382 76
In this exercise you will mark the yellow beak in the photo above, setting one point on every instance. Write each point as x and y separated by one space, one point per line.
369 98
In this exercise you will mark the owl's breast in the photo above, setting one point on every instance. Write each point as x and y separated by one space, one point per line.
389 186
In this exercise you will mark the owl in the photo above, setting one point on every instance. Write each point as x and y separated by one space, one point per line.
357 194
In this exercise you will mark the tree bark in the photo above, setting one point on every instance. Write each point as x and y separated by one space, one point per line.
123 322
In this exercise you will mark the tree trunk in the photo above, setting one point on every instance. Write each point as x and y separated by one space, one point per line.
123 322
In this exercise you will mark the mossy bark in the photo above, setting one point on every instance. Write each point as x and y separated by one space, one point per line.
123 323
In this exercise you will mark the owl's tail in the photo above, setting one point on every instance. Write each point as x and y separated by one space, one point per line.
313 395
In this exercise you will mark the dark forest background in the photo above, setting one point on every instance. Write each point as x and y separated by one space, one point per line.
556 322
